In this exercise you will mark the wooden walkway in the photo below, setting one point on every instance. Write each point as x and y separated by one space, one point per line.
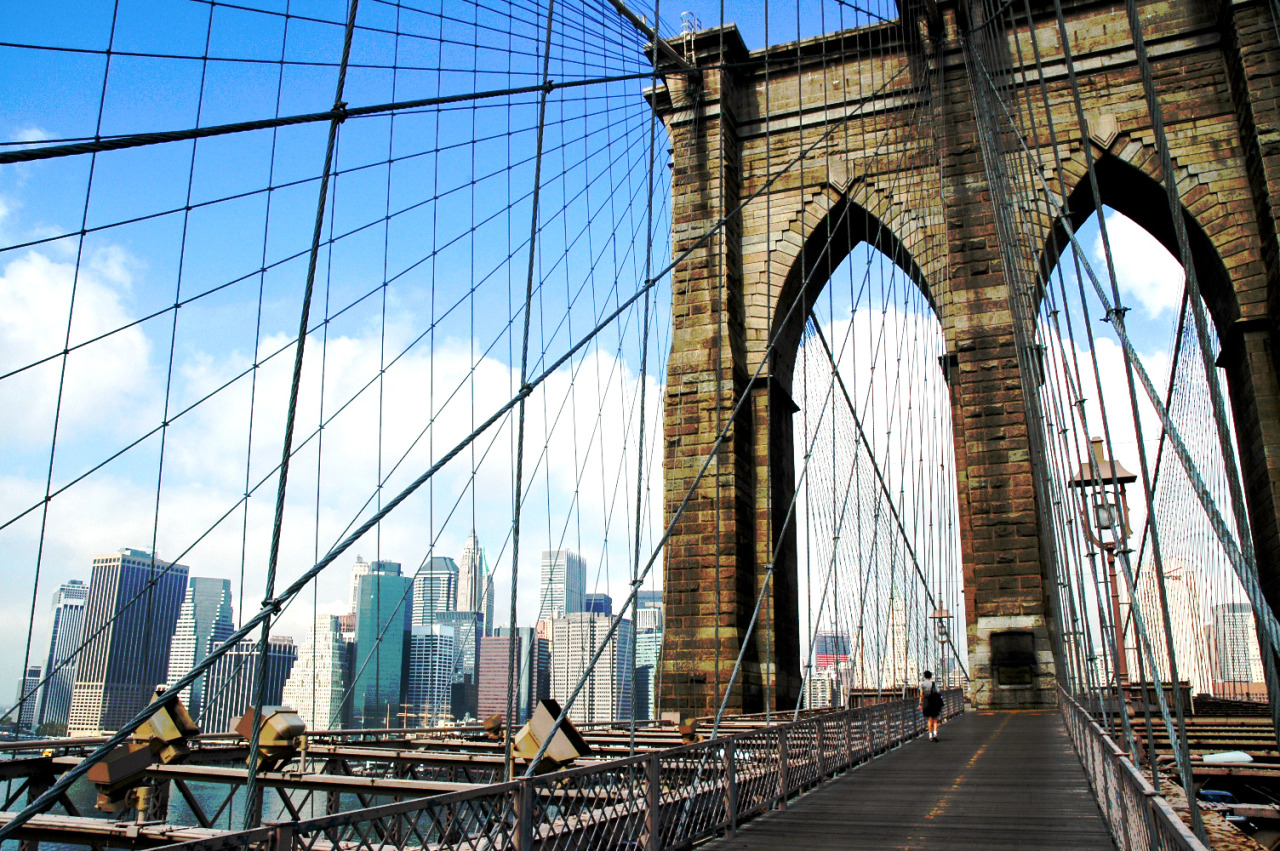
994 780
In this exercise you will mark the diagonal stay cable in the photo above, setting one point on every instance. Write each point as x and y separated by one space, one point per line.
274 605
338 114
273 559
1245 571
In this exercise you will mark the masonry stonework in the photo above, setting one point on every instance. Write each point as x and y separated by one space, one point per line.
784 159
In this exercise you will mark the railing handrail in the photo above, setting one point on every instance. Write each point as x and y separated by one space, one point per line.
1136 813
701 779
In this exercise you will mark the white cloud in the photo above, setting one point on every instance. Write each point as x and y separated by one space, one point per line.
103 384
580 463
1146 272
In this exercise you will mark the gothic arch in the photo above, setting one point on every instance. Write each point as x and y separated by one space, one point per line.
837 222
1129 181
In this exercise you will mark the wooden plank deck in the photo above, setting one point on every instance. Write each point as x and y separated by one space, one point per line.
994 780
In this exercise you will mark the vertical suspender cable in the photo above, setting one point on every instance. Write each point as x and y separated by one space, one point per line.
524 377
287 448
644 365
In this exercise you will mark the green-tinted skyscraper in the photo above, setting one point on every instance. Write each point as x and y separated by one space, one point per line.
383 604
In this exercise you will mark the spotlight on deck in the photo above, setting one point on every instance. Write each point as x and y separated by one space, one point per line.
166 732
494 726
279 738
566 745
121 777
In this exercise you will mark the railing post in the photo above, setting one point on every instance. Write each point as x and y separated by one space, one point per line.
653 809
782 769
731 786
283 838
822 757
848 738
524 814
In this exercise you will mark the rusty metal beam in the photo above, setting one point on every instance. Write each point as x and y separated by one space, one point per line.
96 831
311 782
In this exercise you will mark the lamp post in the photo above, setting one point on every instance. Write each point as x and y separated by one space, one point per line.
942 631
1106 515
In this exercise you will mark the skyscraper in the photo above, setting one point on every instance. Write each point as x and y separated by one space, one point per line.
27 714
54 704
475 591
649 598
204 622
564 580
531 683
383 616
648 618
435 590
648 647
130 613
232 683
319 678
1236 644
599 604
897 666
430 681
829 649
360 568
1187 623
468 628
606 693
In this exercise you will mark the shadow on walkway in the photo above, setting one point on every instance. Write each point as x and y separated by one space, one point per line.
994 780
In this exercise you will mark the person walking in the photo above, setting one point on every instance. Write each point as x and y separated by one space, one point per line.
930 703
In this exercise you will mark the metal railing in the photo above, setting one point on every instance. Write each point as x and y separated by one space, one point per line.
1138 816
649 802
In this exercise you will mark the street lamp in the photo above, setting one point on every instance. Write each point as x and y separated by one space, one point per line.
1094 477
942 631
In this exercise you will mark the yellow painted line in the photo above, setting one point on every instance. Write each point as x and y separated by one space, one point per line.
945 800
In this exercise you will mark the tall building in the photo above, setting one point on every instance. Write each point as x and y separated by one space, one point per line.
649 598
360 568
648 648
826 686
829 649
29 690
383 614
1187 623
54 704
428 692
599 604
468 629
1236 644
231 688
606 692
648 617
130 616
531 683
204 622
318 680
564 581
435 590
475 587
898 666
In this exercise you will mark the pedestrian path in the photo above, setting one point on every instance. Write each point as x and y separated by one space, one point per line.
994 780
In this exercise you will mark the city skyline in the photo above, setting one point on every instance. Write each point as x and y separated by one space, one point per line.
408 643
